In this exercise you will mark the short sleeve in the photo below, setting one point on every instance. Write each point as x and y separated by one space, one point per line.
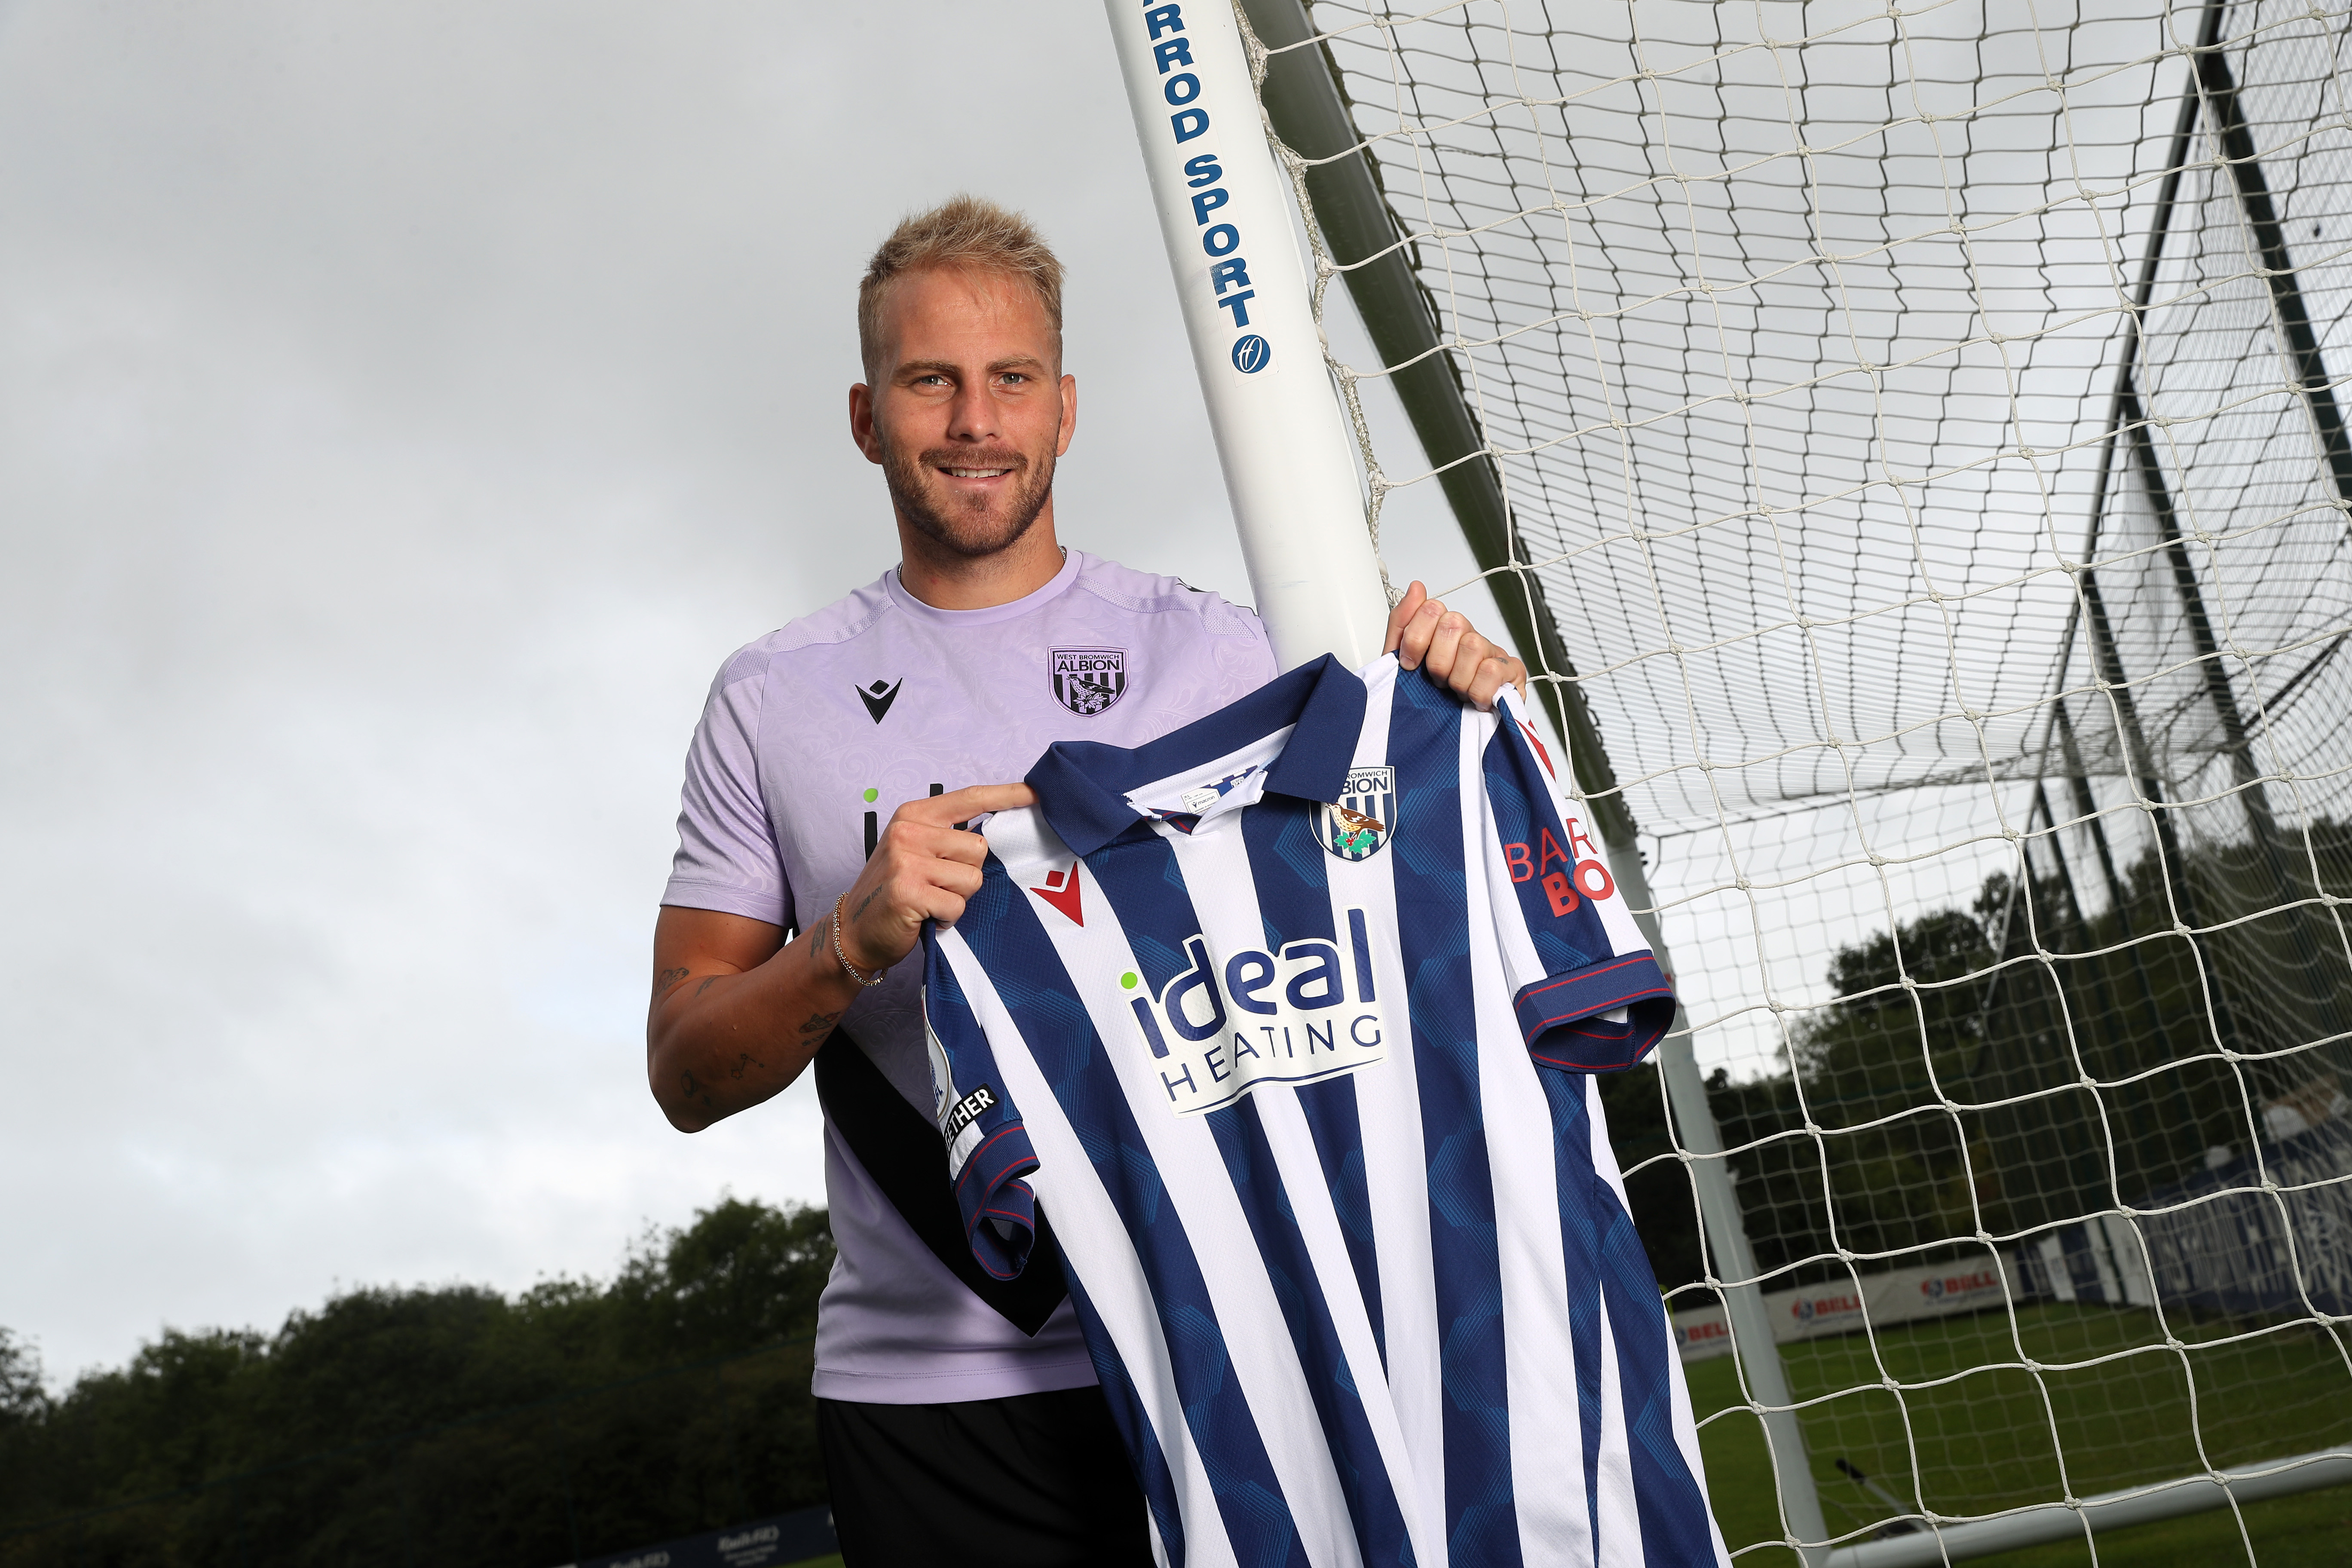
988 1149
1255 662
726 855
1567 938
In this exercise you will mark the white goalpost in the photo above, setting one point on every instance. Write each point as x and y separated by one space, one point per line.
1224 212
1909 443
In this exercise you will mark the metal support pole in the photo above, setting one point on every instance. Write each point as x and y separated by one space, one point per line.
2245 167
2139 760
2239 747
2239 154
1734 1261
2133 418
2210 90
2140 769
1307 109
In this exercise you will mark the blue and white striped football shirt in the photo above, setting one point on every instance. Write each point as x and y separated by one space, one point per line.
1288 1019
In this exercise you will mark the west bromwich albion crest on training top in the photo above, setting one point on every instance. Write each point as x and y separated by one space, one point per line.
1087 680
1289 1020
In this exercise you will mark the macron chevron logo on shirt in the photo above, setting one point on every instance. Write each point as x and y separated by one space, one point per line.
1308 1093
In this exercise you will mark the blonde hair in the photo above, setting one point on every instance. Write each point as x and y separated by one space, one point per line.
963 232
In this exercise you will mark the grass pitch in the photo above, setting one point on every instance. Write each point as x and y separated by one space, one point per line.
1989 1404
1989 1407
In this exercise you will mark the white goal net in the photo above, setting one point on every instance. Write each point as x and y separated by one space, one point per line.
1922 422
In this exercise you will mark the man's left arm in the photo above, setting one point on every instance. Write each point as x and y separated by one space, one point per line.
1424 635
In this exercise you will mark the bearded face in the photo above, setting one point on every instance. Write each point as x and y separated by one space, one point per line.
973 500
966 409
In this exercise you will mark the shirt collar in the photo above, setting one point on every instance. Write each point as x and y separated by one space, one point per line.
1082 785
1073 563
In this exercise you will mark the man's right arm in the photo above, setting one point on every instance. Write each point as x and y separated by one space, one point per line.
738 1013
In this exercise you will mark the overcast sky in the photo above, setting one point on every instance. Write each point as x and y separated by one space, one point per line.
404 408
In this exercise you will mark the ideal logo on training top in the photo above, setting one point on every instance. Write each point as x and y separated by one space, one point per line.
1231 1022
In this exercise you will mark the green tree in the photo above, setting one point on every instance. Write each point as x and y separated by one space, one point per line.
453 1425
1941 1087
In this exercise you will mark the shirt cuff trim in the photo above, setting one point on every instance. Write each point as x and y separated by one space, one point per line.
1557 1014
994 1201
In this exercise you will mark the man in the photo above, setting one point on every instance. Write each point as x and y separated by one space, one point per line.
960 1417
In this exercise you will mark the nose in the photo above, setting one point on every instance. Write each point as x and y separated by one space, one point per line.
972 416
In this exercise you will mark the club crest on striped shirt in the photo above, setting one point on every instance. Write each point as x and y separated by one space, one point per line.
1087 680
1356 825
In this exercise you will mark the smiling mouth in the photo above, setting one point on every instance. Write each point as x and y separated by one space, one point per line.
975 473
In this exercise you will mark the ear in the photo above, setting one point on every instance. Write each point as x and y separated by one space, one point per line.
861 422
1069 416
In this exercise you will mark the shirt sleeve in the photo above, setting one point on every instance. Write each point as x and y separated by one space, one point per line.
988 1149
1569 941
1257 662
726 855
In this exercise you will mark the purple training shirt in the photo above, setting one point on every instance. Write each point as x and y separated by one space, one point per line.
812 737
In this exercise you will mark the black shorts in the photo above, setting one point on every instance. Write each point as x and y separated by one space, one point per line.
1035 1481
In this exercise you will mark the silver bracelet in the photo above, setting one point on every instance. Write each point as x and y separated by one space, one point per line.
879 975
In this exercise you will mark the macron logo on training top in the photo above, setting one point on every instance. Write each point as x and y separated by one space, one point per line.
878 696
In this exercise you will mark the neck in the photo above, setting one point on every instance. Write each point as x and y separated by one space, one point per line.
947 581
